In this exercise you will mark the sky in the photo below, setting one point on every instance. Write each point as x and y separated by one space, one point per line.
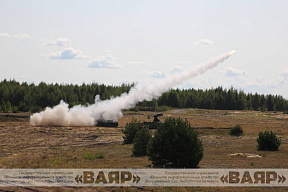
115 42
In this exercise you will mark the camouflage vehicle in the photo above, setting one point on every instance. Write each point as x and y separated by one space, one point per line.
107 123
155 122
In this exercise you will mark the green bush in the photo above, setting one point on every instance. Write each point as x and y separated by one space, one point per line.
163 108
141 140
3 107
90 156
99 156
15 109
268 141
130 131
175 143
8 107
236 130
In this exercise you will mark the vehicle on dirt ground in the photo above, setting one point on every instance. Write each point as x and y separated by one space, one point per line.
154 124
107 123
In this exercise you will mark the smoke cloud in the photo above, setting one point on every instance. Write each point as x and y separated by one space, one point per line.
111 109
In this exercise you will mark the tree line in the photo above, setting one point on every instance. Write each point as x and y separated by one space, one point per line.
24 97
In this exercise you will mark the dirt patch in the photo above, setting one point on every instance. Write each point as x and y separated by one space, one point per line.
248 155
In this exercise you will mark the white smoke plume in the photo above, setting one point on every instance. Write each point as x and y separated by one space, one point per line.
111 109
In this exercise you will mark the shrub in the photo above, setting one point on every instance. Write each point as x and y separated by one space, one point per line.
130 131
141 140
99 156
175 143
3 107
8 107
15 109
163 108
268 141
236 130
90 156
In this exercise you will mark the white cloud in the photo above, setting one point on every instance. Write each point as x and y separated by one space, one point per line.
21 36
283 83
60 42
5 35
157 74
181 63
107 61
284 73
136 63
176 69
68 53
232 72
204 42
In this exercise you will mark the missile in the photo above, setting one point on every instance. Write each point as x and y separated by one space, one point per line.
233 51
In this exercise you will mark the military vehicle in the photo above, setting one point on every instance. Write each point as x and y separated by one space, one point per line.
150 125
107 123
155 122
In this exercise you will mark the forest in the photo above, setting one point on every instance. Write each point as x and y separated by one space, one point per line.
23 97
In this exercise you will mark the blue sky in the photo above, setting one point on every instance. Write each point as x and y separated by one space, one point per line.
112 42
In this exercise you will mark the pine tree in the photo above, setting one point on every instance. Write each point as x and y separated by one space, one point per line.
141 140
270 103
3 107
8 107
175 143
256 102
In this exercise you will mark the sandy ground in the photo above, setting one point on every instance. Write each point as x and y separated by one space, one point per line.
26 146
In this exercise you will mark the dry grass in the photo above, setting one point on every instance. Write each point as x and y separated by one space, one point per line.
25 146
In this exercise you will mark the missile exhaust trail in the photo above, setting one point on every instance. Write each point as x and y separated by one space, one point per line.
111 109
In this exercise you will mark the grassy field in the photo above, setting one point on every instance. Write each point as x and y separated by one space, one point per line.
25 146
